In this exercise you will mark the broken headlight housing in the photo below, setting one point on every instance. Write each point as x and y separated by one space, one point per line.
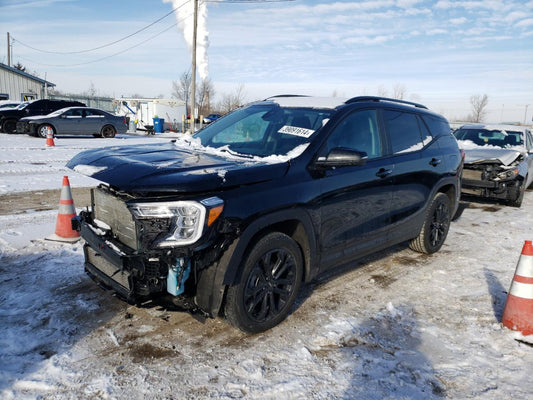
508 174
188 218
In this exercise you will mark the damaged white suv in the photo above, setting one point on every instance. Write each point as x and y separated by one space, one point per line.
498 161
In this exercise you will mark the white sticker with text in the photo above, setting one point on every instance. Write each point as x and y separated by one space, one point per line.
296 131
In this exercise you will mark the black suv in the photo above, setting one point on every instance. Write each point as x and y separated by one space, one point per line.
9 117
233 219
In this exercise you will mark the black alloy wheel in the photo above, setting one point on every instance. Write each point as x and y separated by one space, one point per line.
435 227
269 284
10 126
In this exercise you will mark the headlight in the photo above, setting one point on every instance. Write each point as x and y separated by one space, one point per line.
509 174
188 218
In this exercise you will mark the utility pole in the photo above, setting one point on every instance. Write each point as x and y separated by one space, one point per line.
8 50
193 78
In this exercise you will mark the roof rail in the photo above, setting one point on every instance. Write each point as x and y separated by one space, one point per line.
375 98
286 95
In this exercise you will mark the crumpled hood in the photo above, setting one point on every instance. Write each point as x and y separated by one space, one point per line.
168 168
481 155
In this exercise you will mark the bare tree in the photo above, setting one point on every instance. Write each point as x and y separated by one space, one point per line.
382 91
205 93
399 91
182 89
479 104
231 101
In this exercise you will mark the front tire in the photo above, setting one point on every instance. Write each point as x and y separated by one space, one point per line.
435 227
42 130
108 131
518 193
10 126
271 276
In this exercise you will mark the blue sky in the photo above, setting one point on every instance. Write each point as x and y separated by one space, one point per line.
441 52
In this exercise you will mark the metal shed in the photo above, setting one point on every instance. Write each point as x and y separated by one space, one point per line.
21 86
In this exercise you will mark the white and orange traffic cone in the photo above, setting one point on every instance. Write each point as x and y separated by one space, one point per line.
518 311
49 137
64 231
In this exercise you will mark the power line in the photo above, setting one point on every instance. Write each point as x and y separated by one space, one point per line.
104 45
109 56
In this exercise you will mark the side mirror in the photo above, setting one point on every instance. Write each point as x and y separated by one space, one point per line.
342 157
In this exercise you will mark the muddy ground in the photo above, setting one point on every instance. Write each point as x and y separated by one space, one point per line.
41 200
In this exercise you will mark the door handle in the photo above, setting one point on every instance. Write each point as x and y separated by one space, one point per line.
383 173
435 161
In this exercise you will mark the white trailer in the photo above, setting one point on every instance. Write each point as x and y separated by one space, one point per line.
142 112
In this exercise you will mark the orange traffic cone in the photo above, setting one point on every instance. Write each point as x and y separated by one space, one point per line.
518 311
49 137
64 231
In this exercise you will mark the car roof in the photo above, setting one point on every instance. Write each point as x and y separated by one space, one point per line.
307 101
496 127
334 102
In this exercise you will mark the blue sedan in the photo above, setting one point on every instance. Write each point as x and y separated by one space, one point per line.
74 121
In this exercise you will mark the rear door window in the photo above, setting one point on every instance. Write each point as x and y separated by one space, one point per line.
405 131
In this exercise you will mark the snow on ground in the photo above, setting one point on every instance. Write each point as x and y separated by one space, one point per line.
397 325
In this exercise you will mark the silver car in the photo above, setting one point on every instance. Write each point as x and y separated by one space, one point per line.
498 161
74 121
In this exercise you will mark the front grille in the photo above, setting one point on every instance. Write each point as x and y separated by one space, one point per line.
473 174
114 212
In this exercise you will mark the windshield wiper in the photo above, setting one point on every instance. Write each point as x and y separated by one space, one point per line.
234 153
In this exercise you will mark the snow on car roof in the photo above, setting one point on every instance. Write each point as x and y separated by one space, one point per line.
308 101
496 127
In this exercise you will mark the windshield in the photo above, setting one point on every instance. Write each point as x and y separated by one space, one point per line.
22 106
57 112
264 129
484 137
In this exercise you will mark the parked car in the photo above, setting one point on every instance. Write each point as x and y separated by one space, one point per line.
211 117
9 104
234 219
498 161
9 117
74 121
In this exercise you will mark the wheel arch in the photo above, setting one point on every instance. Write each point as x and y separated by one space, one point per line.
295 223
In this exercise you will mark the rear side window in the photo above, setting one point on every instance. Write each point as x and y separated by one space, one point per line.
405 131
437 126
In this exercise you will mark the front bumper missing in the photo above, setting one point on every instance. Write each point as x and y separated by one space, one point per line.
503 190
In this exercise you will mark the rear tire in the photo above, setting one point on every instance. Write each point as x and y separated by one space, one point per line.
435 227
271 276
108 131
42 130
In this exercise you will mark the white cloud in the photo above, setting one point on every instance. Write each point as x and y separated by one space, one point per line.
458 21
524 23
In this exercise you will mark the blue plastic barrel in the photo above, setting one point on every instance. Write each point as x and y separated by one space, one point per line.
159 124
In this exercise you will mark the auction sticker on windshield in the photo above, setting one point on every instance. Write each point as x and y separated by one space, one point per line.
296 131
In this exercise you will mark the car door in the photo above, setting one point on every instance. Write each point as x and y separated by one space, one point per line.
69 122
355 200
418 165
93 120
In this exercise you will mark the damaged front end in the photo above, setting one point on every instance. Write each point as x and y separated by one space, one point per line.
492 179
142 248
